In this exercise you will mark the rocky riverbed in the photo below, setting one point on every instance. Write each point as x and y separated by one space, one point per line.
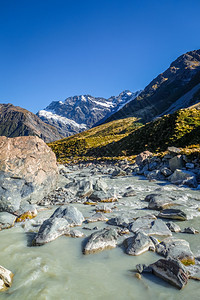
104 233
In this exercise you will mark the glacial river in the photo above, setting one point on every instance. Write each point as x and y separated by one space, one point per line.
59 270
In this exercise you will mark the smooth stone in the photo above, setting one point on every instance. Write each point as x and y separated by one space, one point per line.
97 217
175 214
50 230
6 278
119 221
138 244
101 240
177 249
170 270
173 227
70 213
7 220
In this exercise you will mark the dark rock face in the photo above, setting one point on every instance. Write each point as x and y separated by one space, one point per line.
170 270
101 240
28 171
163 94
79 113
16 121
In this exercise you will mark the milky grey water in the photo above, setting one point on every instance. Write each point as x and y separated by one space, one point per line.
59 270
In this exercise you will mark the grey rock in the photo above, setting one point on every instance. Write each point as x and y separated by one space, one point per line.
160 202
194 271
76 233
118 172
97 217
184 177
85 188
190 230
143 157
176 163
120 221
101 240
70 213
138 244
175 214
101 196
7 220
166 171
51 229
173 227
100 185
174 150
177 249
130 192
150 226
170 270
155 174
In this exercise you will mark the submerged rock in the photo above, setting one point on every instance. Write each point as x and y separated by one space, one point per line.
170 270
190 230
101 240
175 214
177 249
6 278
7 220
138 244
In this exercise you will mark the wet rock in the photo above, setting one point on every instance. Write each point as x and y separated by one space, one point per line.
184 177
97 217
70 213
138 244
142 268
170 270
130 192
175 214
7 220
101 240
150 226
173 227
190 230
50 230
28 171
120 221
177 249
160 202
6 278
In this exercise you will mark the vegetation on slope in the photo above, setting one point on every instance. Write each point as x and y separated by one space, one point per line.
82 143
127 138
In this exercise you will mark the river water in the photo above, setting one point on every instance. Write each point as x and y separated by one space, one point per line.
59 270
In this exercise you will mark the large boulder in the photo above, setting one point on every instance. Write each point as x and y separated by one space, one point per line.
28 171
184 177
70 213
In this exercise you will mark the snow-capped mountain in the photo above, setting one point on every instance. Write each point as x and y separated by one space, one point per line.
79 113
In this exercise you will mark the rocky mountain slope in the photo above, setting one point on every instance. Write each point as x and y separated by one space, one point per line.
178 87
80 113
16 121
126 137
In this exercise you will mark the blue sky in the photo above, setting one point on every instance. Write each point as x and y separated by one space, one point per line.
53 49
